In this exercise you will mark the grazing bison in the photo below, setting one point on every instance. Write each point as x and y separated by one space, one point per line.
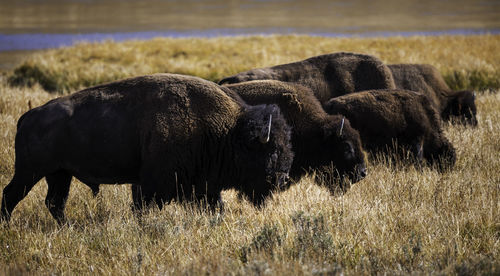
425 78
328 76
318 138
170 135
383 117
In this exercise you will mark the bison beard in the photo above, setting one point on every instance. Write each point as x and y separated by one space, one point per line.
165 133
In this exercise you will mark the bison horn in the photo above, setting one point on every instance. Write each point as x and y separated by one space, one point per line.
341 126
268 136
474 95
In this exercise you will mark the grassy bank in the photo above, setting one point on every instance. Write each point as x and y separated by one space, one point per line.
467 62
398 220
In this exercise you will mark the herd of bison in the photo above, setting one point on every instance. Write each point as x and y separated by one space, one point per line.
177 137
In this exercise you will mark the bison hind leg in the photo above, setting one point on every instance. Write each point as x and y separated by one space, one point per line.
94 187
16 190
57 194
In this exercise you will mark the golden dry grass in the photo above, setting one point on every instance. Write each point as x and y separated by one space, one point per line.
466 61
398 220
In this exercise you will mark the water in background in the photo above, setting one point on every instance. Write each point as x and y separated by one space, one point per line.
36 24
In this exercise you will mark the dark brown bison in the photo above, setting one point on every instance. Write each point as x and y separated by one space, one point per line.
318 138
173 136
388 117
425 78
328 76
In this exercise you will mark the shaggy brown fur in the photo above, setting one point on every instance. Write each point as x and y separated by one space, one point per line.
315 134
425 78
328 76
173 136
384 117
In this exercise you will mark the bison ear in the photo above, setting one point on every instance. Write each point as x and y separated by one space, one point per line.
268 115
335 130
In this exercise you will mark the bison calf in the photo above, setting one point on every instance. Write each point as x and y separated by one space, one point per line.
328 76
171 135
386 117
318 138
425 78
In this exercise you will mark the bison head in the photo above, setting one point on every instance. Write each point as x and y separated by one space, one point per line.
264 152
343 145
462 108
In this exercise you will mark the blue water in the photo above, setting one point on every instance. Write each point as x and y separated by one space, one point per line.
35 41
41 24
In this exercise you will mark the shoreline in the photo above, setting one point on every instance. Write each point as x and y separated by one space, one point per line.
86 64
14 47
38 41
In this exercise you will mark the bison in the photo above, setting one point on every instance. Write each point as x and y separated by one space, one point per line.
328 76
385 118
172 136
425 78
318 138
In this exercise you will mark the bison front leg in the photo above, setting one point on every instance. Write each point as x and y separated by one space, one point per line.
138 198
57 194
258 197
145 195
211 202
16 190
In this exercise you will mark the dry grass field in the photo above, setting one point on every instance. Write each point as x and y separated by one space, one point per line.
465 61
398 220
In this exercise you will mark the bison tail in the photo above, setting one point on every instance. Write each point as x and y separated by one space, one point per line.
21 120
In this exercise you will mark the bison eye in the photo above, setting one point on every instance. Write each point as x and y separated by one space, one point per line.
348 150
